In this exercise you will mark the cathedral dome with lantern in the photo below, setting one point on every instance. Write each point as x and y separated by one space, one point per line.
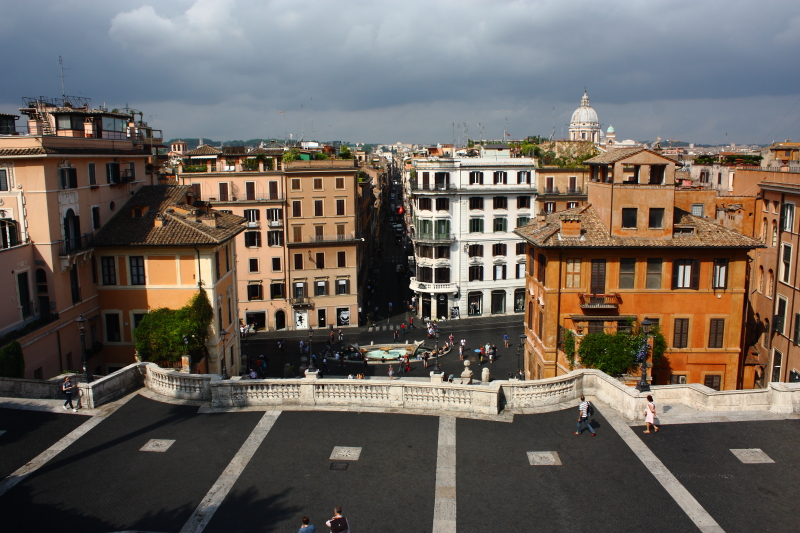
584 125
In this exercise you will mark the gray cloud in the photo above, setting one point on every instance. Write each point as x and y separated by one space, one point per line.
391 71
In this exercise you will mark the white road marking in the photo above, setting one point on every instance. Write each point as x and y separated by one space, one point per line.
213 499
444 506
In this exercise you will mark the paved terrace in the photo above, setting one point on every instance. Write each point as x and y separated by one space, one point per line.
152 463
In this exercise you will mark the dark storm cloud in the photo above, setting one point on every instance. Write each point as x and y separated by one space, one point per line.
391 71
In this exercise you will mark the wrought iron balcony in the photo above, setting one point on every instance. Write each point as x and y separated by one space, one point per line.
600 301
433 237
67 247
301 302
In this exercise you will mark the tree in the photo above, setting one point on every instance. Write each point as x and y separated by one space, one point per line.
345 153
12 361
291 155
620 352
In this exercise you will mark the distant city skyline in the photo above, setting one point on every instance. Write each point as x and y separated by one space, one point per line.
377 72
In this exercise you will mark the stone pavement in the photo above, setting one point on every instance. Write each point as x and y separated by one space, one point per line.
145 465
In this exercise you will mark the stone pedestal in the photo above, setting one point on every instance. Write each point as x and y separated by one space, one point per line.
312 374
485 375
466 375
186 363
437 378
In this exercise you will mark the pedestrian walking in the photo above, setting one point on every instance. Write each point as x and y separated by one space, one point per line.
583 417
307 526
391 372
650 415
390 308
325 363
461 352
302 346
408 365
338 523
68 387
505 340
341 335
310 332
463 343
411 322
403 328
452 338
396 335
331 336
483 353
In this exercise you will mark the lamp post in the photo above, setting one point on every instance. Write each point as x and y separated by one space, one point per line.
81 321
643 386
223 334
522 339
436 336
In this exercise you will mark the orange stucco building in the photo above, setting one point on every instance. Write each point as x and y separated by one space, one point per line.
632 253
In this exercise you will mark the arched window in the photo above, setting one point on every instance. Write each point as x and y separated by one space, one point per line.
72 231
774 234
764 228
771 282
761 279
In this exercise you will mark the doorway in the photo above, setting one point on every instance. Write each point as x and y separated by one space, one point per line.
280 320
441 306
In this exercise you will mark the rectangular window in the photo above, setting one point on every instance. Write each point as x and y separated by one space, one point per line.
627 272
779 322
441 275
112 172
339 207
112 327
654 268
629 216
796 334
131 171
298 261
476 225
320 288
476 202
656 219
253 264
548 185
320 260
109 270
523 177
424 204
275 214
92 175
297 210
297 233
74 284
523 202
252 239
500 177
500 202
680 337
295 184
342 286
276 264
597 283
720 280
223 192
341 259
69 178
3 180
572 205
686 274
250 190
713 381
786 262
476 178
500 224
499 272
425 251
698 210
573 273
340 183
442 204
520 248
318 208
254 292
137 270
277 291
549 207
476 273
275 238
715 332
520 270
95 217
787 222
475 250
442 252
317 184
541 273
523 221
252 215
425 274
499 249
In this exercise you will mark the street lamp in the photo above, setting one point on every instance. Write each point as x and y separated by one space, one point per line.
81 321
643 386
222 335
522 339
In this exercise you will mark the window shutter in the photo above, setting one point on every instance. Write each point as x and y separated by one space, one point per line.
674 274
695 284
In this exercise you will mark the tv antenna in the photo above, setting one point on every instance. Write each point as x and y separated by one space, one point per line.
62 76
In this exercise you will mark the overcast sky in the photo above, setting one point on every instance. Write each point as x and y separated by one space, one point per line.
406 71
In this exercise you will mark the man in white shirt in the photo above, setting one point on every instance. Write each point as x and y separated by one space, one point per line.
338 523
583 416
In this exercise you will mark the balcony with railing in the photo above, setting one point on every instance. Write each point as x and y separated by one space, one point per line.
69 247
559 191
323 239
433 237
301 302
424 286
600 301
275 223
252 224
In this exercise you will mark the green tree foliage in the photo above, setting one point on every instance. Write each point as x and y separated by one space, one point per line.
345 153
163 333
320 156
618 353
291 155
569 348
12 362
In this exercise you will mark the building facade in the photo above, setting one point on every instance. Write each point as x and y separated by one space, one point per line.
560 188
464 211
631 254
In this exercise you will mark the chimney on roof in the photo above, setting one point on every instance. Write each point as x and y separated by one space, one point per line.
209 220
159 221
570 226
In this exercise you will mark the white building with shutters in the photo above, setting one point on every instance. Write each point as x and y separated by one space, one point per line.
463 213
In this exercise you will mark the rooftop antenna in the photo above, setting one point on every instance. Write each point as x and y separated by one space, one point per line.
62 76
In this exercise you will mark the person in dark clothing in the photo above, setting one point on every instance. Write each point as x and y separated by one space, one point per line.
68 387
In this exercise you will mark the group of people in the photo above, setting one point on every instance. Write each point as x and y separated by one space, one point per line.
337 523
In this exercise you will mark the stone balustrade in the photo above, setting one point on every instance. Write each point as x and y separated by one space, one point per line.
416 396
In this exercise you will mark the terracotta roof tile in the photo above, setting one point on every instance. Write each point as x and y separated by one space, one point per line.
204 150
701 233
180 227
616 154
40 150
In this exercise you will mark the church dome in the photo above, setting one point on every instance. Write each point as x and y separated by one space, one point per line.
610 129
584 114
